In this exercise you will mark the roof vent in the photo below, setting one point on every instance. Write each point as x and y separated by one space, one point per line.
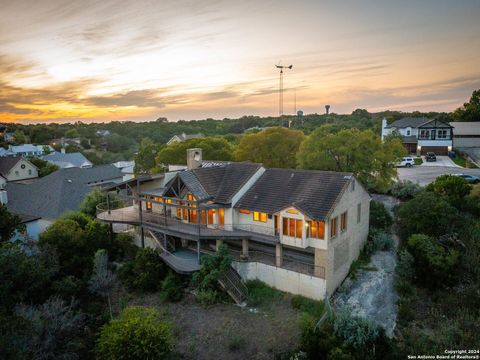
348 177
292 175
69 181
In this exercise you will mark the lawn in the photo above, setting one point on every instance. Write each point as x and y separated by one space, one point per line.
461 160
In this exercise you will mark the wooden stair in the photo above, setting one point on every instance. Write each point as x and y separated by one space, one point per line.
233 284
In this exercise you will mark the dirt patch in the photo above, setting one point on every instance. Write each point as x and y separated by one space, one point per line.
227 331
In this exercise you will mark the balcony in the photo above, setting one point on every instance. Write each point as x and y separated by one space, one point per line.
175 227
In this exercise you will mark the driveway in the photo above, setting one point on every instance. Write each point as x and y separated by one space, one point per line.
442 161
424 175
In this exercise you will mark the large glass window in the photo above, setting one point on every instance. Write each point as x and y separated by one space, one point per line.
442 134
259 216
343 221
193 216
203 217
211 216
333 227
292 227
221 216
299 230
148 204
316 229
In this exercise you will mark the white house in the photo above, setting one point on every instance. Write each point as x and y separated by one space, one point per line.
296 230
29 150
421 135
17 168
183 137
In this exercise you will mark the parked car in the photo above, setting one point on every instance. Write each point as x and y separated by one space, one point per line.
472 179
431 156
406 161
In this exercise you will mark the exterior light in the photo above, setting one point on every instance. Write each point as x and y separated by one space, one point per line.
449 147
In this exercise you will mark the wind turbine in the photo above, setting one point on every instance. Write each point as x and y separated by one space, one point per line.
280 93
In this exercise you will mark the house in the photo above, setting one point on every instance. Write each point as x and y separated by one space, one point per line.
421 135
127 168
9 137
4 152
466 134
3 182
62 191
29 150
17 168
68 160
183 137
103 133
296 230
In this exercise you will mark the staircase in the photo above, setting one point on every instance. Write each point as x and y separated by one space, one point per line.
233 284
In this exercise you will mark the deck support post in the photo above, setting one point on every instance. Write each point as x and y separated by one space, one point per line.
108 203
278 255
140 215
198 251
218 243
245 244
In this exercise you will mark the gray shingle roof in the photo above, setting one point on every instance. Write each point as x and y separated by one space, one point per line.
63 160
57 193
410 122
312 192
7 163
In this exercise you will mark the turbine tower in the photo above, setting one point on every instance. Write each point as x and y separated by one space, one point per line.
280 92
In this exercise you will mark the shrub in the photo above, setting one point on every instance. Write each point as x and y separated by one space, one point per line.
434 263
380 218
312 307
124 247
208 296
143 273
136 334
428 214
260 293
355 331
382 241
236 343
172 288
405 189
68 287
452 188
404 269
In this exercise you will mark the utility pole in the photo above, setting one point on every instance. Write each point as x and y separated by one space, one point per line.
280 92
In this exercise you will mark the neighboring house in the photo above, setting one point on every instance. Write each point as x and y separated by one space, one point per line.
34 225
9 137
103 133
126 167
296 230
183 137
29 150
466 134
4 153
3 182
68 160
59 192
421 135
63 142
17 168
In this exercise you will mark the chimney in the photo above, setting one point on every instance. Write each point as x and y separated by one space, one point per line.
194 158
384 125
3 197
62 150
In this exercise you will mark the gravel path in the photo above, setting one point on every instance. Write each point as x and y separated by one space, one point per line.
372 294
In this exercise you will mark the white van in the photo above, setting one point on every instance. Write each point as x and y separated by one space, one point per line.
406 161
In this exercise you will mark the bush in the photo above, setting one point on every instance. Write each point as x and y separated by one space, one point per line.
382 241
405 189
260 294
356 332
144 273
404 269
208 296
309 306
380 218
136 334
427 214
124 247
434 263
172 288
68 287
452 188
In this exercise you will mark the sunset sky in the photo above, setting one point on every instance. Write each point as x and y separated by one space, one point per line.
106 60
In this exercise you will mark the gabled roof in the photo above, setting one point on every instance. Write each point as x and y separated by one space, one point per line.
24 148
67 160
409 122
7 163
220 183
61 191
312 192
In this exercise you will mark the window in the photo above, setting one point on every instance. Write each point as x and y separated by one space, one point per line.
193 216
442 134
243 211
211 216
333 227
168 201
185 214
190 197
343 221
292 227
359 212
221 216
29 172
259 216
424 134
316 229
408 132
292 211
179 213
203 217
148 204
16 173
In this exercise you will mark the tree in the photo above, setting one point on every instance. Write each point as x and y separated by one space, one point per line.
470 111
145 158
454 189
97 197
380 218
273 147
54 330
136 334
9 224
44 167
352 150
144 273
427 213
103 280
20 137
214 148
72 133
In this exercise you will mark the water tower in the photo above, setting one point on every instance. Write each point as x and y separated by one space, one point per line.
327 109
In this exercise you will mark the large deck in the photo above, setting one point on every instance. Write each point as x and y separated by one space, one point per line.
170 226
